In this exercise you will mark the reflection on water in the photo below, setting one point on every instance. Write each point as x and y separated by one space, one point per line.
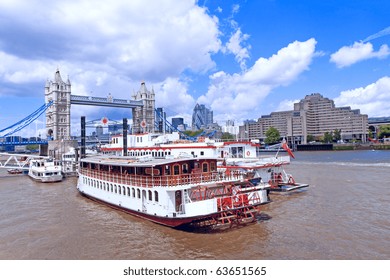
342 215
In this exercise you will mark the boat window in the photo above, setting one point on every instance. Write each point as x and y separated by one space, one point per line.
167 170
202 153
205 167
150 195
115 169
156 196
184 168
133 192
128 191
176 169
112 188
119 190
212 166
138 193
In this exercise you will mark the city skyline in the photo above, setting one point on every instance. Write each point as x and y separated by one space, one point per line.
242 59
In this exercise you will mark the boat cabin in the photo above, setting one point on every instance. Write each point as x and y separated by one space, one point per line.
149 171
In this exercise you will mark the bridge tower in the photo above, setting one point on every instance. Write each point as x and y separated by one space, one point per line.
58 115
144 117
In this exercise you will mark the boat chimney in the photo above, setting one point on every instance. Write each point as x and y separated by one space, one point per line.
124 137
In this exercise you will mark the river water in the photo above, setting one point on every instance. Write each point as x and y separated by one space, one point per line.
344 214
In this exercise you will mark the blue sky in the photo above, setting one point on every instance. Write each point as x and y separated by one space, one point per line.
242 59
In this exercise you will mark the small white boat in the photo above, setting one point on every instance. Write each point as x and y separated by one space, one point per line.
45 170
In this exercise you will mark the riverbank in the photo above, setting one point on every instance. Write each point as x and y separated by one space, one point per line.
351 147
342 147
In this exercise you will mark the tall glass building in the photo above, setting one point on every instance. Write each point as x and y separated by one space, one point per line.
201 117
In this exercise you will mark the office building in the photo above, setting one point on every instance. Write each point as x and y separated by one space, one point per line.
314 115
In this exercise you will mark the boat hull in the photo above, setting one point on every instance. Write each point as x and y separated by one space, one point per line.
49 179
287 188
173 222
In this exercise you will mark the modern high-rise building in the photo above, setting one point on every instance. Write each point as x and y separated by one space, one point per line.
201 117
176 122
314 115
161 118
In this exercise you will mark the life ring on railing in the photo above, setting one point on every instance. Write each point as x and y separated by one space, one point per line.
291 180
248 153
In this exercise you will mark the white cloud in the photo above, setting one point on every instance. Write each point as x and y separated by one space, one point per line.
106 47
373 100
234 46
383 32
19 70
286 105
163 40
173 96
239 96
359 51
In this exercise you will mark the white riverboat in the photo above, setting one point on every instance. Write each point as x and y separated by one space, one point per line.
177 192
45 170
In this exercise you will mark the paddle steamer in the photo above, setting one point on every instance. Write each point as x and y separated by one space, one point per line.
175 191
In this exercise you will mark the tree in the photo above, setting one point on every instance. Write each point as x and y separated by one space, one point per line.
192 133
384 131
328 137
227 136
272 136
337 135
310 138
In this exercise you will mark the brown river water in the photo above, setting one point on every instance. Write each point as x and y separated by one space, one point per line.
344 214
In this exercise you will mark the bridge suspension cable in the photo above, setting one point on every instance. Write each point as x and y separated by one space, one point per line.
26 121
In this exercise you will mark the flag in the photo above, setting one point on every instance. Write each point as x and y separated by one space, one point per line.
287 148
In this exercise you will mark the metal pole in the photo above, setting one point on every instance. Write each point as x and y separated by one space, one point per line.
124 137
82 137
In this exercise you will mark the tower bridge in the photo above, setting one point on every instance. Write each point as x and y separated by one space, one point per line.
58 115
58 101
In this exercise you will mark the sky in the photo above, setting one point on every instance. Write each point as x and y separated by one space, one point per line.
242 59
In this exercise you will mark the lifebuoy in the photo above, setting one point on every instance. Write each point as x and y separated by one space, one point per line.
248 153
291 180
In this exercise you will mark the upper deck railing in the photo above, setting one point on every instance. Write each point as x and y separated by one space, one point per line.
162 181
